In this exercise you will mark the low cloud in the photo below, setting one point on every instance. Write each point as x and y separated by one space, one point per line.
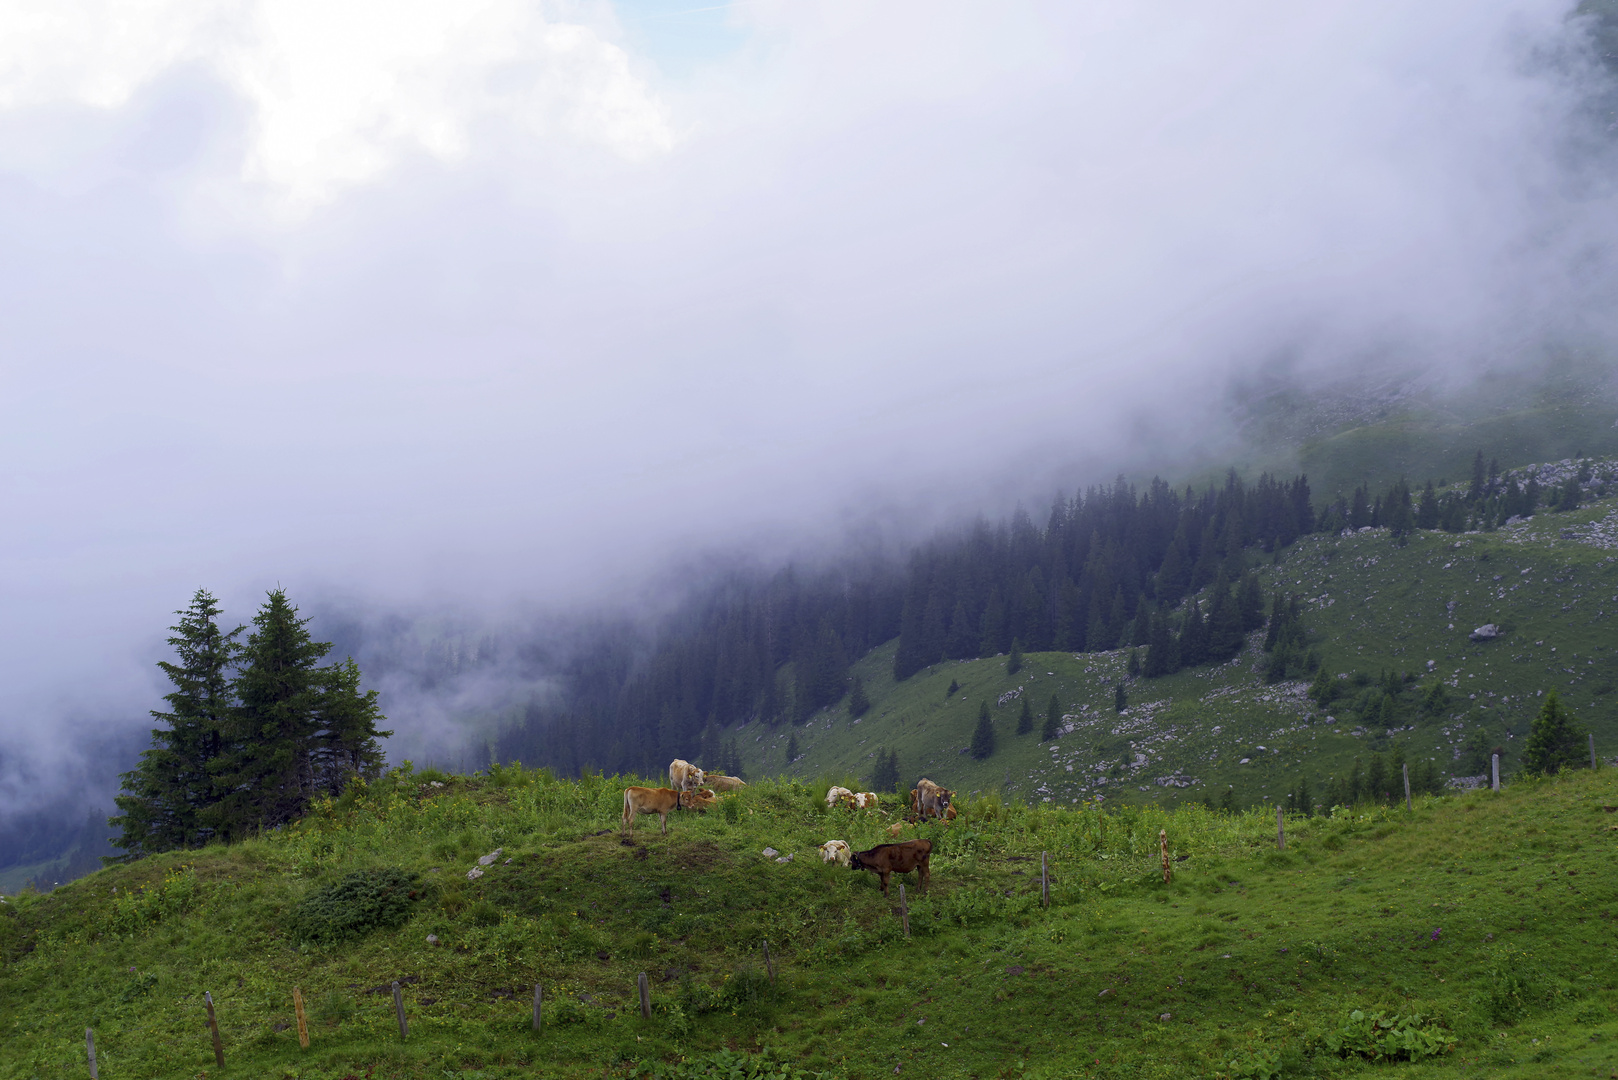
471 308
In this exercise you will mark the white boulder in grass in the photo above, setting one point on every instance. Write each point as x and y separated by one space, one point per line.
488 860
474 873
1485 632
770 853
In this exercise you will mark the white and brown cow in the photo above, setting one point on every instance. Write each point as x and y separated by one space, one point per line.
684 776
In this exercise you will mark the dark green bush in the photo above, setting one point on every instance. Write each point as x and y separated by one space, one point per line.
355 905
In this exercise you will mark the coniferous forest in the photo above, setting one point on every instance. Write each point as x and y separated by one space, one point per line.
1162 569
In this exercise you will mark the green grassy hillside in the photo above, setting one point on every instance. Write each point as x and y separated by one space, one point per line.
1490 917
1372 606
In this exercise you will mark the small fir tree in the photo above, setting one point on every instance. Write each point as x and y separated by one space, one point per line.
858 703
885 774
1120 697
954 687
1025 718
983 734
1227 801
1555 741
1133 667
792 748
1014 661
1053 720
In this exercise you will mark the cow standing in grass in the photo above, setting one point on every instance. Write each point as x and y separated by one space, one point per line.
929 800
886 859
660 801
684 776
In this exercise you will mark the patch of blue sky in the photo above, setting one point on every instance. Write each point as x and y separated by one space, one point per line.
680 36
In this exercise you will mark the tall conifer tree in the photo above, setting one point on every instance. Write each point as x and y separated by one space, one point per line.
165 798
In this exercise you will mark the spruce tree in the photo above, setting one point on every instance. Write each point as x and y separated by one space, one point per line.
983 734
1014 661
1120 697
1555 741
1025 718
792 748
1053 720
270 775
858 703
166 797
1132 668
347 745
885 774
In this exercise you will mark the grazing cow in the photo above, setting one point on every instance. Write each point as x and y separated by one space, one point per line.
895 829
660 801
927 800
865 800
834 851
684 776
721 783
885 859
840 796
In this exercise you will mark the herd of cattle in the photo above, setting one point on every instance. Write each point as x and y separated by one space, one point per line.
690 788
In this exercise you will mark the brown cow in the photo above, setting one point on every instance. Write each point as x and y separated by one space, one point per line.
885 859
721 783
659 801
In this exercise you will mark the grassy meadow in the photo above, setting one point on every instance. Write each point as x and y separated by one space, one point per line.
1488 917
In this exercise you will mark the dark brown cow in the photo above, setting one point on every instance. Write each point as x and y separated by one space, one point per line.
885 859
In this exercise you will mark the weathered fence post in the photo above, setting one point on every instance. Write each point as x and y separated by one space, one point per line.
303 1024
1496 759
539 999
645 997
398 1008
1280 831
1592 750
1044 882
1163 845
904 910
769 962
213 1027
90 1049
1407 785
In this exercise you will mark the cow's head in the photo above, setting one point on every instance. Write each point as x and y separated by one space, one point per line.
854 862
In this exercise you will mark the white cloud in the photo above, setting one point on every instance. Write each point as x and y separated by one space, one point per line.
342 90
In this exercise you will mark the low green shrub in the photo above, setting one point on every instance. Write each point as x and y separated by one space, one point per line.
354 906
1381 1037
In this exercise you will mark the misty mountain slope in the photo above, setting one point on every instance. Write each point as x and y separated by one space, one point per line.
1476 912
1370 607
1380 428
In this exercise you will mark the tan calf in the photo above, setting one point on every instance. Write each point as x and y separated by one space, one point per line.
660 801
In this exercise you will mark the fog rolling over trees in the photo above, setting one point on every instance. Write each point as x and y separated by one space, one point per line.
501 359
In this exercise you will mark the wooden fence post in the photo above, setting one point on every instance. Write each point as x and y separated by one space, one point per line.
1044 881
1407 786
1280 830
1163 845
904 910
90 1049
398 1009
769 962
539 999
645 997
1496 759
213 1027
303 1024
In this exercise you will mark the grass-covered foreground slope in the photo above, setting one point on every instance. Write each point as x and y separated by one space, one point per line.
1488 916
1370 605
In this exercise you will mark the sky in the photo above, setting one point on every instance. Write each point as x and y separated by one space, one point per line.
499 304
